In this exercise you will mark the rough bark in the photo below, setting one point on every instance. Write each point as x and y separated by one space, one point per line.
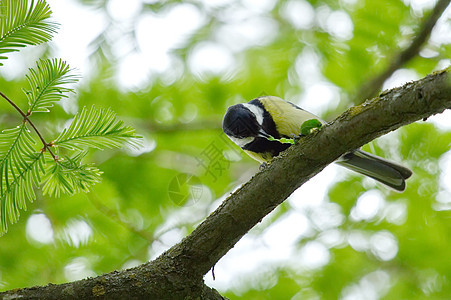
178 273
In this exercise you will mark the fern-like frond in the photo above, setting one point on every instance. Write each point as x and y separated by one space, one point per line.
48 84
70 176
16 146
22 24
98 128
20 190
20 168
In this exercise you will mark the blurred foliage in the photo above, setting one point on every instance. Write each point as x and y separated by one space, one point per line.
399 249
22 24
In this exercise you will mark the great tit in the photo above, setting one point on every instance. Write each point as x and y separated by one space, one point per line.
258 126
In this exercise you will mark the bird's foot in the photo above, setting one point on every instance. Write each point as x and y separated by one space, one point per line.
295 137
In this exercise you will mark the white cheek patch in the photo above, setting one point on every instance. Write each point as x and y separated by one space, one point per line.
257 111
241 142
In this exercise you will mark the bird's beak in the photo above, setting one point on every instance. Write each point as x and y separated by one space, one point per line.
263 134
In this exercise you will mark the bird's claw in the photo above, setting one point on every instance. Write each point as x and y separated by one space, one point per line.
295 137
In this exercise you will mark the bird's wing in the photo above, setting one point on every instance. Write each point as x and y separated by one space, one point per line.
287 116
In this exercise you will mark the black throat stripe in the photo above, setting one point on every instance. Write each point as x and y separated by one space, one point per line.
262 145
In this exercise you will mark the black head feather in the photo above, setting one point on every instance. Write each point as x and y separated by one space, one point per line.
240 122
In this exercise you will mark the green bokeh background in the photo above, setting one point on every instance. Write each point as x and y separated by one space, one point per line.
130 218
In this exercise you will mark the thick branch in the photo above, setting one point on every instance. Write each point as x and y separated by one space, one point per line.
370 89
178 273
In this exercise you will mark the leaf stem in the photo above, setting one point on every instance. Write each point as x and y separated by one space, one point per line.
26 119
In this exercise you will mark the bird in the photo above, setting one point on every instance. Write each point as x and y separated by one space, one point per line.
258 125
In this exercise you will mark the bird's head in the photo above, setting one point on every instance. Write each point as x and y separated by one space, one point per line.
240 122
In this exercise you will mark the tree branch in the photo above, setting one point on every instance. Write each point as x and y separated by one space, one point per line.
178 273
201 125
113 216
370 88
27 119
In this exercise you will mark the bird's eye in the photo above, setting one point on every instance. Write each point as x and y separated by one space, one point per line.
241 129
240 122
245 127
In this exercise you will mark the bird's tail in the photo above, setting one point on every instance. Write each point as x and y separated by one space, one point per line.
384 171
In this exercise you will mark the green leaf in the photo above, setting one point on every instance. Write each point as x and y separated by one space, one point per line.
16 145
47 84
20 189
22 24
20 170
308 126
70 176
97 128
20 165
282 140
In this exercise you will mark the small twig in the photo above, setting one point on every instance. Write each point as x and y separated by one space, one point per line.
14 105
27 120
208 124
111 214
370 88
213 272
